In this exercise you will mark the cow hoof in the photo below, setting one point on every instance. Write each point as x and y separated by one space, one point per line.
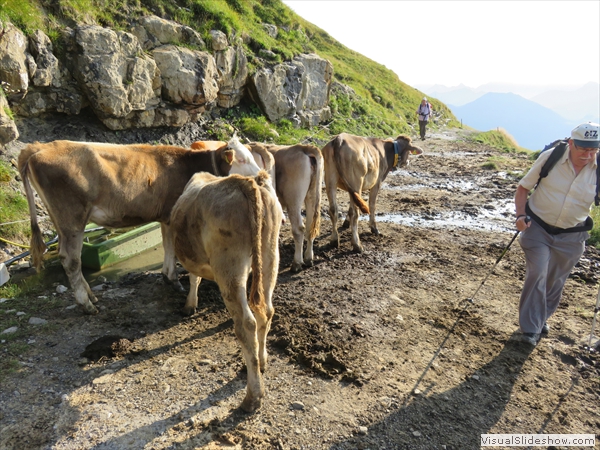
175 284
334 244
308 262
250 405
177 287
89 309
375 231
296 267
189 311
357 249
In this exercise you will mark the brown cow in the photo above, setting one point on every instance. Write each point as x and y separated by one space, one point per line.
223 229
299 175
114 186
355 163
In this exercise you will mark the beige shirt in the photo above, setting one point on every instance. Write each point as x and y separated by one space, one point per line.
562 199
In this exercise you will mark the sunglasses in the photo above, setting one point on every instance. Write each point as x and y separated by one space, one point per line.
585 150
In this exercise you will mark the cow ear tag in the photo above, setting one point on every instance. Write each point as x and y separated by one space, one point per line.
416 152
228 156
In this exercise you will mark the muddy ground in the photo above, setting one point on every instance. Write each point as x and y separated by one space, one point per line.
379 350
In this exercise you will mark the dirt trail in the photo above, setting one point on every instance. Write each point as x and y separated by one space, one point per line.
379 350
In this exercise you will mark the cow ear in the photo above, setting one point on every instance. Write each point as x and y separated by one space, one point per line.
416 151
228 156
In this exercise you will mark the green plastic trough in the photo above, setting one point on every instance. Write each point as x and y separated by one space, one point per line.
102 250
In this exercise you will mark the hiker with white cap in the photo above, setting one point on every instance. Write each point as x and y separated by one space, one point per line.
424 111
554 239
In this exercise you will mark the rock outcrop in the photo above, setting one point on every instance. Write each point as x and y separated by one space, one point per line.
8 129
298 90
159 73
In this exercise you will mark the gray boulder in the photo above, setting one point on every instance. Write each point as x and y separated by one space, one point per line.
232 68
44 70
8 129
297 90
13 59
153 31
114 73
188 76
52 89
218 40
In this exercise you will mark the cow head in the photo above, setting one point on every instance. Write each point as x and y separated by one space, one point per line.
406 149
243 162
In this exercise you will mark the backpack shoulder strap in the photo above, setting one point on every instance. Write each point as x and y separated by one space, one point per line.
597 197
556 154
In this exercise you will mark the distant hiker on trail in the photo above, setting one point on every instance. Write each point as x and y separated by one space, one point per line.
424 111
554 239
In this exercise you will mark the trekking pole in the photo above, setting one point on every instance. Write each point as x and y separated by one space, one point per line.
527 219
596 309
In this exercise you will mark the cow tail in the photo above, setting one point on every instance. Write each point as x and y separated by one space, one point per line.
256 212
316 182
358 201
37 246
267 157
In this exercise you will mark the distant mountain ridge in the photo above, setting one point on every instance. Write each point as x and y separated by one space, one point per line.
531 124
578 103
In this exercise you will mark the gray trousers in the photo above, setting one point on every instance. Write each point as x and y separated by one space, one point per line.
549 261
422 127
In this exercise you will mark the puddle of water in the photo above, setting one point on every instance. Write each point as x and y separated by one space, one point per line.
448 154
414 180
497 218
447 186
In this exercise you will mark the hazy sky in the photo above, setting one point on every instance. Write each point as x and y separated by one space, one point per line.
468 42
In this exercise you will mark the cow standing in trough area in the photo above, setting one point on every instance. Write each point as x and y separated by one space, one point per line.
299 175
355 163
114 186
223 229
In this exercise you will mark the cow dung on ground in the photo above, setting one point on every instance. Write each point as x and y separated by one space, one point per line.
377 350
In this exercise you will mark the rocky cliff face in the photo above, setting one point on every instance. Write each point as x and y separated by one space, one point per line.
159 73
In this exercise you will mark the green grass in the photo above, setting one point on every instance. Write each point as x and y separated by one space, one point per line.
498 139
24 14
13 206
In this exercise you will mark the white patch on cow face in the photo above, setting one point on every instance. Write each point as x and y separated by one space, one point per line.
243 162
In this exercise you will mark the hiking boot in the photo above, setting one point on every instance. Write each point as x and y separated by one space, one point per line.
530 338
545 329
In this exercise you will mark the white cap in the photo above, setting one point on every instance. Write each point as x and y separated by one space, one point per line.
425 98
586 135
